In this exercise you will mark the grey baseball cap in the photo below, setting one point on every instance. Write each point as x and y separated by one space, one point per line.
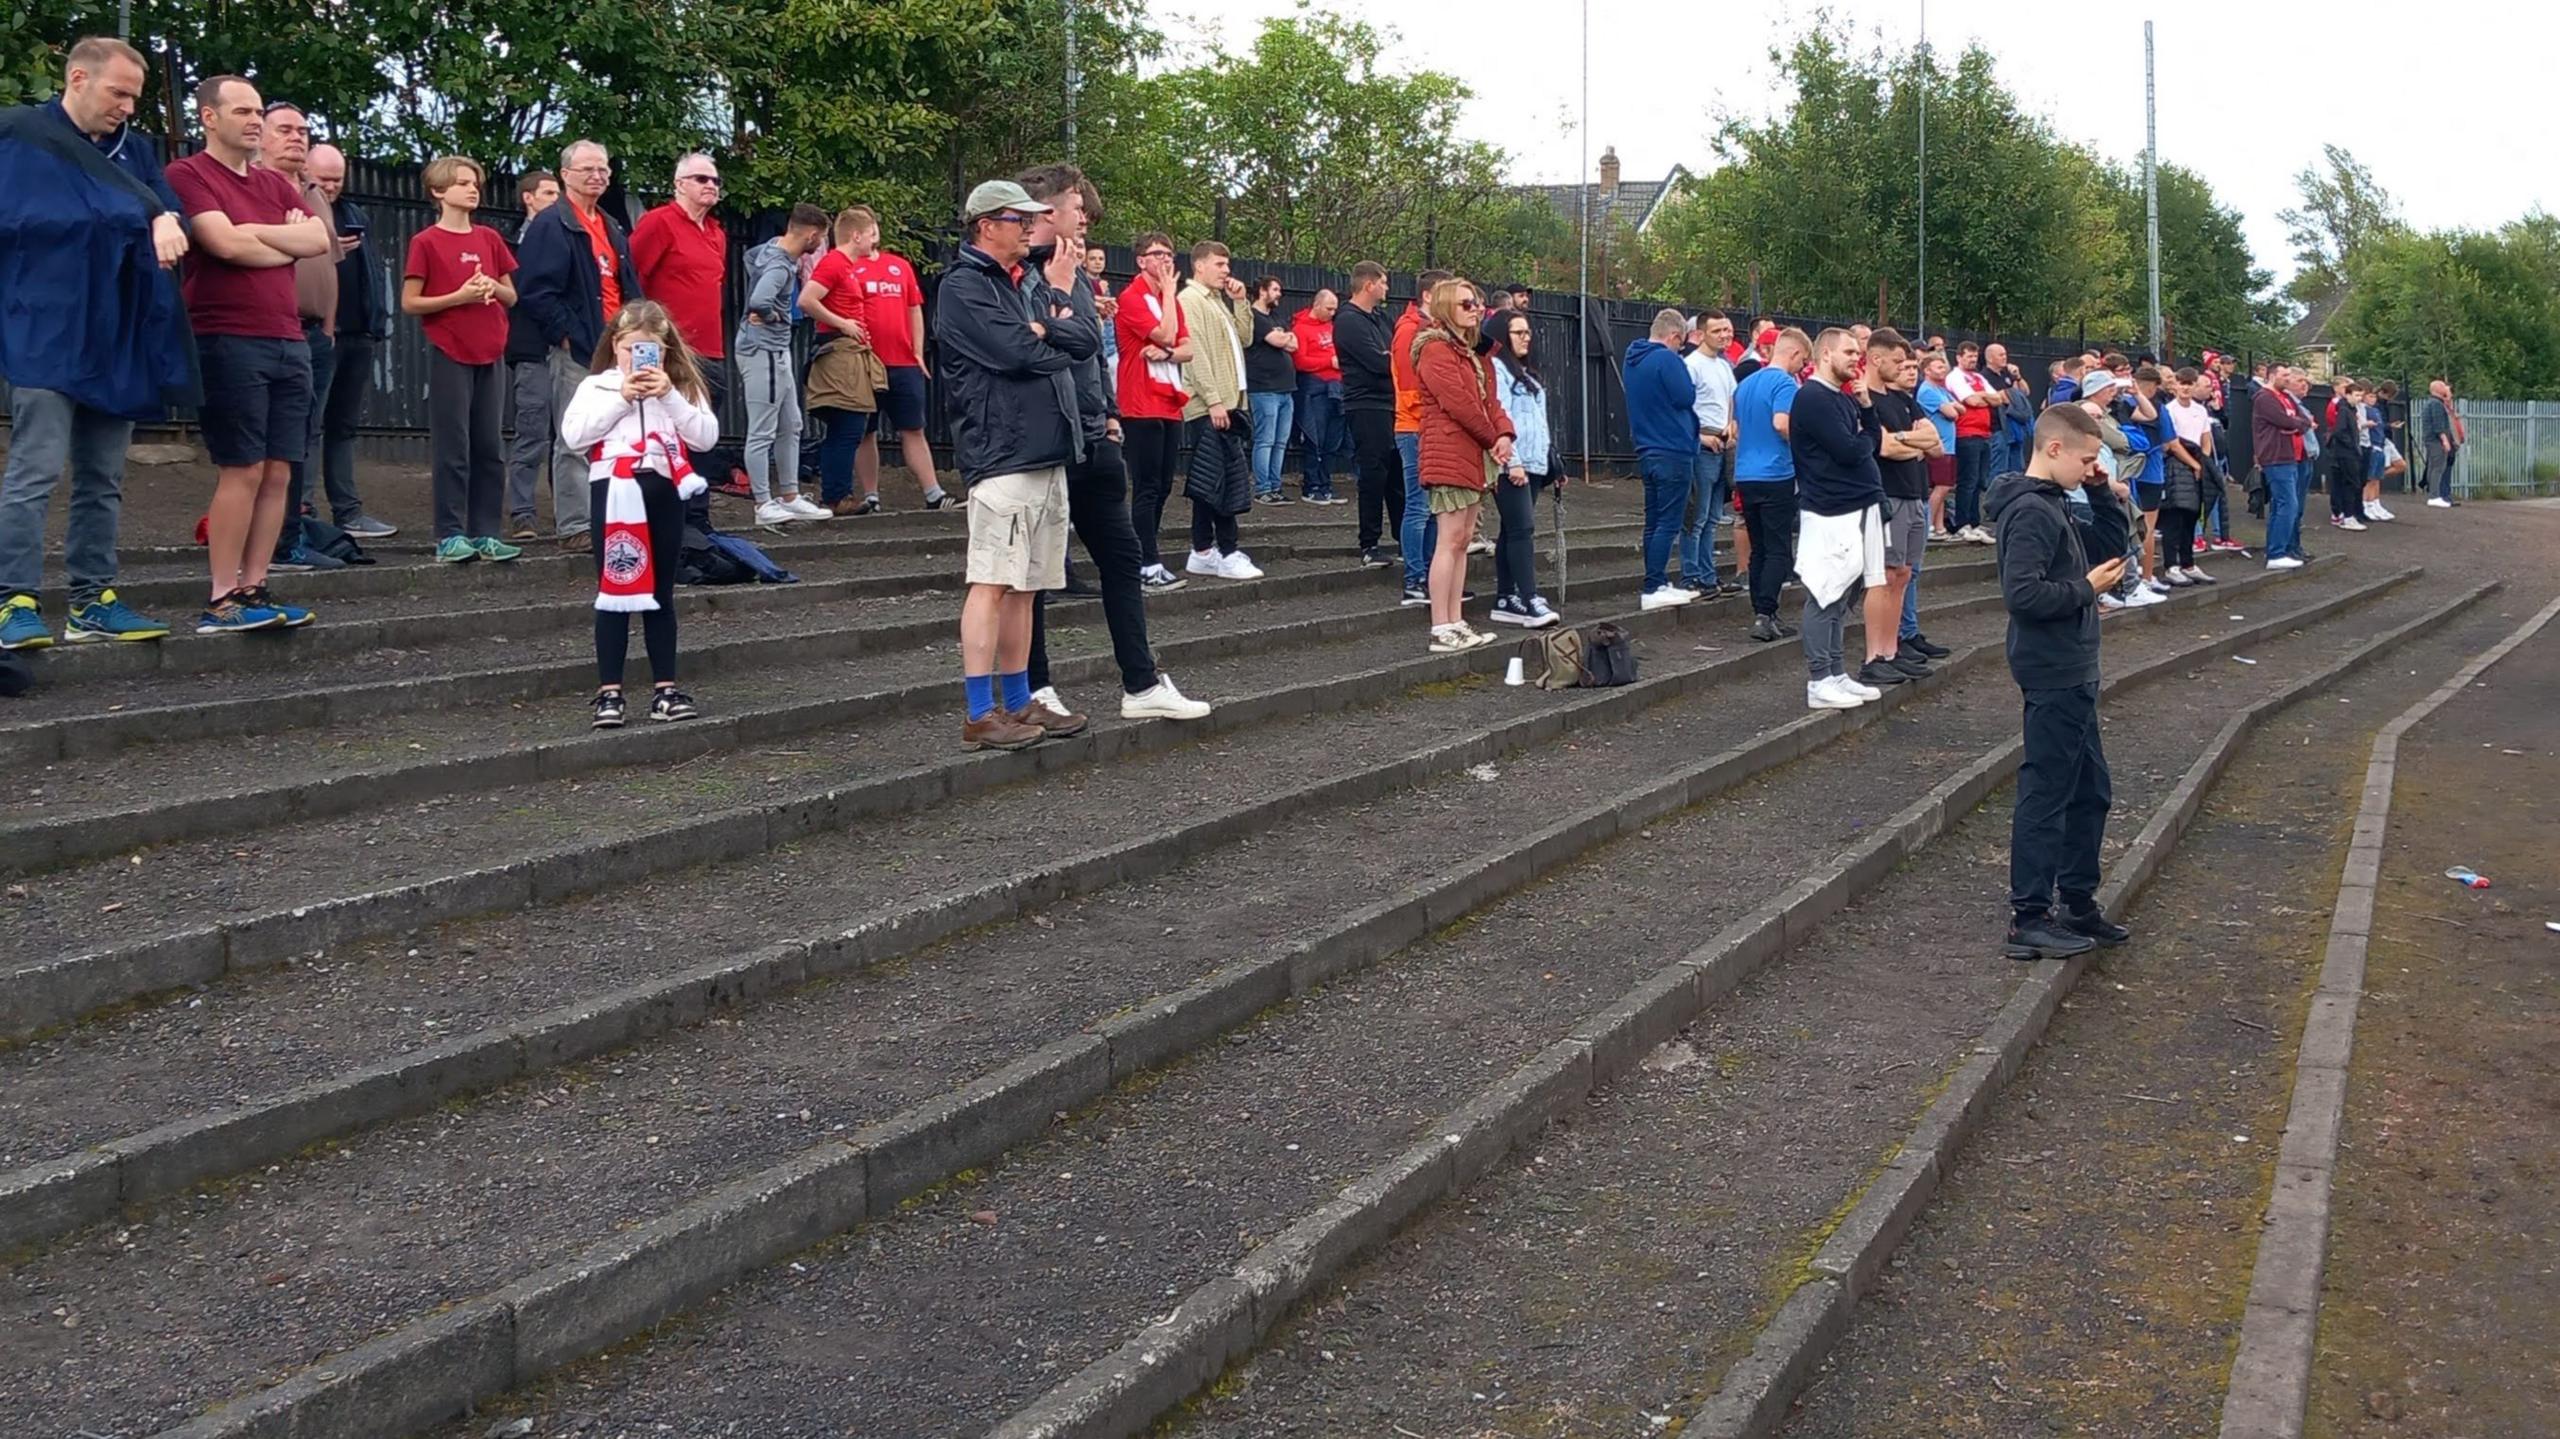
997 195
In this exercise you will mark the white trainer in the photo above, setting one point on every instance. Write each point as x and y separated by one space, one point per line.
2284 562
773 512
1162 701
1238 566
2352 523
1859 688
1667 597
1047 698
1206 562
1825 695
807 511
1479 546
2437 503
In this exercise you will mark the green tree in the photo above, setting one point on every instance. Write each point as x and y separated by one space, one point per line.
2342 207
2480 309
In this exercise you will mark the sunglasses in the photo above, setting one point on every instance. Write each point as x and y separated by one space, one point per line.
711 180
1471 306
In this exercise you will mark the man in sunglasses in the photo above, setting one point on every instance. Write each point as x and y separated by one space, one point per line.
682 255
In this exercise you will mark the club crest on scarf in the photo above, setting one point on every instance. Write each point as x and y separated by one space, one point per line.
628 580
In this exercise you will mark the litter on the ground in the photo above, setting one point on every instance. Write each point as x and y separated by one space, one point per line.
2244 659
1484 773
2552 925
2462 874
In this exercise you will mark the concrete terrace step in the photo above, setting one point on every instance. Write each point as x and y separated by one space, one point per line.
563 838
1296 866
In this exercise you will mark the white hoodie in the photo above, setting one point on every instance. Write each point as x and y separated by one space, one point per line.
622 436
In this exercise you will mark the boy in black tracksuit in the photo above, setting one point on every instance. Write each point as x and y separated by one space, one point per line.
2051 592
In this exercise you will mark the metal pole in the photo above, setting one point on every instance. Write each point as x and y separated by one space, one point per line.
2151 186
1582 305
124 20
1071 80
1923 302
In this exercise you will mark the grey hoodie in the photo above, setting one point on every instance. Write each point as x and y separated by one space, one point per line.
773 278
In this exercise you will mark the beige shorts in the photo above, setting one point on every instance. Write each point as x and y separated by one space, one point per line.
1018 530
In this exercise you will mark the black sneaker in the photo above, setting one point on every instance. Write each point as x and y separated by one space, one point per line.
609 709
1727 590
2041 937
1927 650
1414 598
2094 923
671 704
1370 559
1912 665
942 500
1881 673
1764 628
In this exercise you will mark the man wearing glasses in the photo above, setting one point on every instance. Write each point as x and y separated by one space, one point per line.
682 255
573 272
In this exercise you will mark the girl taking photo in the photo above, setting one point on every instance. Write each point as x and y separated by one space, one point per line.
1515 496
635 417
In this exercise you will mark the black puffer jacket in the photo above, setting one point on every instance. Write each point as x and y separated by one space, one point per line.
1011 392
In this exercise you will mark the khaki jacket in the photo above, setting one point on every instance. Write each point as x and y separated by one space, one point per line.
846 374
1220 329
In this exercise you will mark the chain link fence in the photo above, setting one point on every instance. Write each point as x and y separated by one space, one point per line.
2513 448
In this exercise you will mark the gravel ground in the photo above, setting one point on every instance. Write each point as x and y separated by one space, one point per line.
2441 1311
1604 1282
1163 1184
501 1186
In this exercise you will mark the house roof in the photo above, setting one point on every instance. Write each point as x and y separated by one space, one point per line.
2313 328
1632 207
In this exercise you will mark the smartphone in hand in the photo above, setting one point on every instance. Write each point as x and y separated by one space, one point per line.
647 355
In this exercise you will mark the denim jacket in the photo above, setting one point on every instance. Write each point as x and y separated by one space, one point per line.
1532 446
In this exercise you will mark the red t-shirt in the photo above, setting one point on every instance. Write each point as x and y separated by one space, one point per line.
1972 421
880 292
685 267
223 298
440 260
1315 354
1148 390
608 265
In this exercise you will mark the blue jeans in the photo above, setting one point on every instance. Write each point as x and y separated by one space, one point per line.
2284 511
1322 435
1667 478
1973 465
324 364
1271 415
1698 532
48 430
1421 531
1911 597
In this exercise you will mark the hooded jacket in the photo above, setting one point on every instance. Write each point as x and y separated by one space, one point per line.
2044 584
773 277
1661 401
1460 412
1361 339
1010 393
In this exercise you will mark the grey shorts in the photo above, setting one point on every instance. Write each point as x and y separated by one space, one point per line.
1906 532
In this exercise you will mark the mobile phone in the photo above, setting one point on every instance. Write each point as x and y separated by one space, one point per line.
647 355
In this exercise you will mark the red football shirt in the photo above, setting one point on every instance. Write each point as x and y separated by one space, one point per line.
1148 390
440 260
685 267
881 292
223 298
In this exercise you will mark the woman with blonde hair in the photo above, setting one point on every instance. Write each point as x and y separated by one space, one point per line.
1464 447
635 418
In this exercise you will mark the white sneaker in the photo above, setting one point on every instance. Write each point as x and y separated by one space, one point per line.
2375 511
1479 547
2110 602
2352 523
2284 562
1862 690
1667 597
2156 587
2434 503
1238 566
1047 698
806 510
1545 612
2145 595
1980 536
1826 695
1206 562
771 512
2197 576
1161 701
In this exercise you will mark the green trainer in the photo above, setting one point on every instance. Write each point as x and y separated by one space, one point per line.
496 550
455 550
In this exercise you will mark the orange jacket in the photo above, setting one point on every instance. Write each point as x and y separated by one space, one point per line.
1460 413
1400 362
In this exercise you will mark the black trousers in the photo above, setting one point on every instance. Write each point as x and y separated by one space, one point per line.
1153 449
1769 514
1098 507
666 551
1224 459
1373 449
2346 490
2064 793
1515 550
466 410
2177 537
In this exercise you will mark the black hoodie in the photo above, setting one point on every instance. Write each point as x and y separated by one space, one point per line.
2044 582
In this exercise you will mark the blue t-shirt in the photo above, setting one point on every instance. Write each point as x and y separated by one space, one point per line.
1759 451
1932 395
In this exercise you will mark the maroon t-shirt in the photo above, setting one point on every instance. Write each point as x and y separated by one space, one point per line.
440 260
223 298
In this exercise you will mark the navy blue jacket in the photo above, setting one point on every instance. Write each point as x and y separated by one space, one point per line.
1836 441
89 312
559 295
1011 394
1661 401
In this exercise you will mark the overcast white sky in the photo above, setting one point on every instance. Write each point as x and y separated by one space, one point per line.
2373 77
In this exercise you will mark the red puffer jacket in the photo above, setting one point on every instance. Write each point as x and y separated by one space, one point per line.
1461 411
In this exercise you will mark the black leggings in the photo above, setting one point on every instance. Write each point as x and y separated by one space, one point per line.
1515 550
2178 538
1152 448
666 550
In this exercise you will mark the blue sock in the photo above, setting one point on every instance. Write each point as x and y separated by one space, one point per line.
1017 691
982 695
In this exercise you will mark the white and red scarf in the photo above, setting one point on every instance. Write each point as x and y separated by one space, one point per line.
628 578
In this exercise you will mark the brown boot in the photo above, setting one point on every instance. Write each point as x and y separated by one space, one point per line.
852 505
1054 724
1000 731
